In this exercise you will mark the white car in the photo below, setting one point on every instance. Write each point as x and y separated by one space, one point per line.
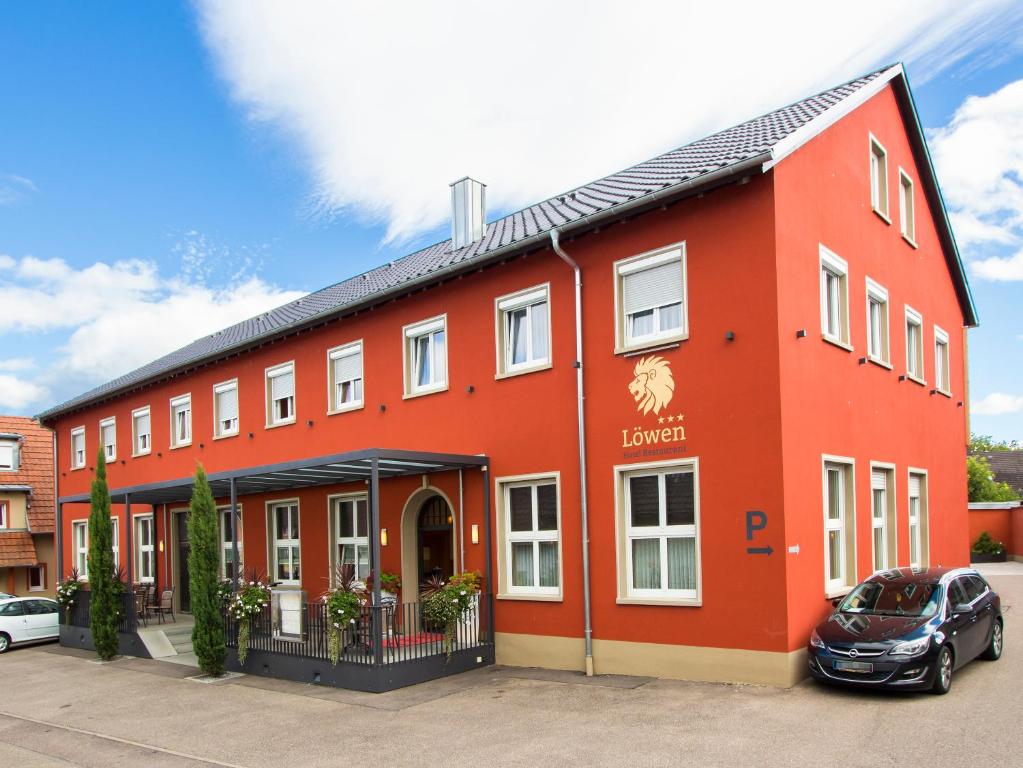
27 620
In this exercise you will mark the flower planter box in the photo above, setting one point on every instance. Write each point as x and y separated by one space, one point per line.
984 557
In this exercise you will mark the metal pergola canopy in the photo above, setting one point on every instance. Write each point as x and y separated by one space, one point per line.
352 466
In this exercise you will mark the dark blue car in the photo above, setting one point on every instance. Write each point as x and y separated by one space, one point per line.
908 628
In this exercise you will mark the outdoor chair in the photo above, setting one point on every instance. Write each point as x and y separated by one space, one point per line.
140 605
166 605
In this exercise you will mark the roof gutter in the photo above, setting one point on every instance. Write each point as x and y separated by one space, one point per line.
637 205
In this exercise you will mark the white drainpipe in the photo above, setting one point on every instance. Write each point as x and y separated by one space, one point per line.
588 629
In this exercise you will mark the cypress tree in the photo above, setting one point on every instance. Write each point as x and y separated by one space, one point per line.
204 578
105 598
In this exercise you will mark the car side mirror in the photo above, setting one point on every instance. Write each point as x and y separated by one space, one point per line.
961 609
835 602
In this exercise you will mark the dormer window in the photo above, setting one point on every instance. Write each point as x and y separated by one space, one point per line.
8 455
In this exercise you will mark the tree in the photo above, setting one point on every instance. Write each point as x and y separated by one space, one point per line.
104 596
981 485
204 578
987 444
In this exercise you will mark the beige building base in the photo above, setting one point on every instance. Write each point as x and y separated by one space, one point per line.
676 662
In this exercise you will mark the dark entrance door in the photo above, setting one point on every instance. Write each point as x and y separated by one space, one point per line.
436 553
184 547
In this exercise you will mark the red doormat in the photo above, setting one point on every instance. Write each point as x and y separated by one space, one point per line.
420 638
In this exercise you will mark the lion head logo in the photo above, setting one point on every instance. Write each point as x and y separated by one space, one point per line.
654 386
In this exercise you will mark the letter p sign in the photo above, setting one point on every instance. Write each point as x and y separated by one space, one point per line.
755 521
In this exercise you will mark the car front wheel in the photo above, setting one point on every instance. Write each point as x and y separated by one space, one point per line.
5 642
994 649
943 675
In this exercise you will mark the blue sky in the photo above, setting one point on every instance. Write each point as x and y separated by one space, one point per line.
167 169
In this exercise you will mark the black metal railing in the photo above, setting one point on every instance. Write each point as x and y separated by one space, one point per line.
80 614
387 634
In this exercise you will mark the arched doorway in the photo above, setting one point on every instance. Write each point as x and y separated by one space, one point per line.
434 541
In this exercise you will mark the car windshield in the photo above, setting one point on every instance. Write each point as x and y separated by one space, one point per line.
893 598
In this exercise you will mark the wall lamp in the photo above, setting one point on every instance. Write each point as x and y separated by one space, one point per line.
383 537
475 534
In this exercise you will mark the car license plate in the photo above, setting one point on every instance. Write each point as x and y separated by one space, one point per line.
864 667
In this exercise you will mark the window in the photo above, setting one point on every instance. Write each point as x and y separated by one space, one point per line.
181 421
227 565
78 448
914 345
878 178
426 357
225 409
660 522
108 437
839 526
80 542
907 214
115 541
651 298
918 550
532 546
834 297
941 362
877 323
882 517
4 514
145 553
141 431
8 456
36 578
523 331
351 526
287 547
280 395
344 374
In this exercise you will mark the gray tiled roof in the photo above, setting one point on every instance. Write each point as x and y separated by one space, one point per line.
729 147
1007 467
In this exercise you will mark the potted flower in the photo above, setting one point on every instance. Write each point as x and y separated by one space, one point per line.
251 598
67 592
445 605
342 605
987 550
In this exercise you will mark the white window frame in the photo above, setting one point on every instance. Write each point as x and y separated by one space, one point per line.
845 524
879 181
334 404
225 538
942 362
923 548
39 568
272 418
80 544
915 318
878 294
503 485
11 448
834 266
292 543
907 213
337 541
505 308
410 338
78 462
220 389
887 521
142 550
5 513
624 534
624 340
136 436
179 404
109 449
115 541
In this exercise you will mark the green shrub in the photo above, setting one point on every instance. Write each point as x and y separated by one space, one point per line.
204 578
985 545
104 596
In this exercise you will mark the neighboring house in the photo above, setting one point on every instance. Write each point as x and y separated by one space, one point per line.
27 559
771 344
1007 467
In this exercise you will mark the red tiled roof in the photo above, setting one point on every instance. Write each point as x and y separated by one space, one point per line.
17 548
35 469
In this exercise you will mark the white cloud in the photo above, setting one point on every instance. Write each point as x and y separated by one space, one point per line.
16 394
390 102
979 155
13 188
116 317
997 404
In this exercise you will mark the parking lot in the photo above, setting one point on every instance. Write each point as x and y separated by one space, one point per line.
58 707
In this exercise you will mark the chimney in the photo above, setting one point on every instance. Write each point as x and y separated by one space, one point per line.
468 212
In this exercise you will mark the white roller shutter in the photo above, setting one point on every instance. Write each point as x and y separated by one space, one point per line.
348 366
228 404
878 480
653 287
914 486
142 424
283 384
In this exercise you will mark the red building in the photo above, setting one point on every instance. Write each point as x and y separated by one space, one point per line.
741 365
